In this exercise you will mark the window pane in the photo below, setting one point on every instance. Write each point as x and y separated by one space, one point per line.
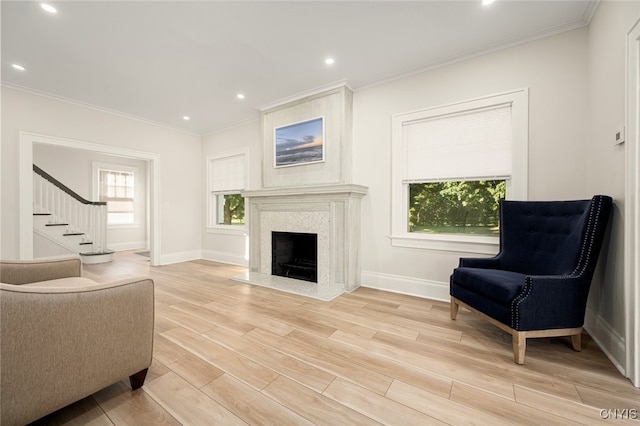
117 189
455 207
230 209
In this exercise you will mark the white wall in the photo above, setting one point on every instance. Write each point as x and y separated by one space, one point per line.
74 168
231 246
179 152
606 164
555 71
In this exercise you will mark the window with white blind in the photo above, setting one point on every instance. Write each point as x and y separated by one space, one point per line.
227 176
451 165
116 185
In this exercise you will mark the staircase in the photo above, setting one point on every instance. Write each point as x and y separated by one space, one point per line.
66 219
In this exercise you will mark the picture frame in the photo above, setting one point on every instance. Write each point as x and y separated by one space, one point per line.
299 143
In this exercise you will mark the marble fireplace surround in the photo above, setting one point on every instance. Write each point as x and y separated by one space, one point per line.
330 211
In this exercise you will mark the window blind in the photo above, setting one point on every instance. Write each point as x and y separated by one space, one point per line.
227 174
468 145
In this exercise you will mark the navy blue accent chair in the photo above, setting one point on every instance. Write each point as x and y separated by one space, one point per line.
538 284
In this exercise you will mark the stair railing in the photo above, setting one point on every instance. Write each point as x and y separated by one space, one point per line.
50 196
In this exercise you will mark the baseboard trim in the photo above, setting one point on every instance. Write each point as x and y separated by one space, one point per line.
185 256
128 246
225 257
608 340
428 289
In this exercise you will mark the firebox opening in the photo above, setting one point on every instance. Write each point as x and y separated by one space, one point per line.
295 255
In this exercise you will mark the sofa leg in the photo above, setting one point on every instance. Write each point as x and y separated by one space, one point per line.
519 342
137 379
454 308
576 341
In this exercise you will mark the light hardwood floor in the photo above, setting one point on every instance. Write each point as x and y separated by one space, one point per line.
229 353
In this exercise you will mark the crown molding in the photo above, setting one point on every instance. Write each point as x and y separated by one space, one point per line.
307 93
507 44
58 98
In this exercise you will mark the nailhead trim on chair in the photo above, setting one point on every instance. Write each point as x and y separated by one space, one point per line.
517 301
582 263
590 226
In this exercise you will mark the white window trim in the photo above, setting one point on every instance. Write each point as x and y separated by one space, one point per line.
516 186
214 228
96 166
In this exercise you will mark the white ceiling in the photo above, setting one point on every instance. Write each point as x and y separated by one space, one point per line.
161 60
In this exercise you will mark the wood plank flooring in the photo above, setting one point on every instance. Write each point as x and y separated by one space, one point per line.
228 353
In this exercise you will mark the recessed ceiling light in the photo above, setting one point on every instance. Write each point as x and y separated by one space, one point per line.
329 61
487 2
18 67
48 8
240 96
186 118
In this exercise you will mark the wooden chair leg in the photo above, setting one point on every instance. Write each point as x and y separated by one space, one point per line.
454 308
576 341
519 342
137 379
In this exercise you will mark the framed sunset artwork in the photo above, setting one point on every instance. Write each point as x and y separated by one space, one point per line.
299 143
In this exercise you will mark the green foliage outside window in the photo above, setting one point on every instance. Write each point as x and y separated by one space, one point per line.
233 209
455 207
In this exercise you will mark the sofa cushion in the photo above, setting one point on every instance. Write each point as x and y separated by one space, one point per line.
70 282
501 286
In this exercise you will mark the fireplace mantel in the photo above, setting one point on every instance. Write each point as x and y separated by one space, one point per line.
330 211
316 190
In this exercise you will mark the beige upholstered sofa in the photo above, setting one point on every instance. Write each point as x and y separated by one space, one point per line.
64 337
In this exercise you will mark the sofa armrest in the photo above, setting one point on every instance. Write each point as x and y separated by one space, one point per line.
480 262
61 344
30 271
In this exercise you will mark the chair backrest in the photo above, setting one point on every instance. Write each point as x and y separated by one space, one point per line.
552 237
